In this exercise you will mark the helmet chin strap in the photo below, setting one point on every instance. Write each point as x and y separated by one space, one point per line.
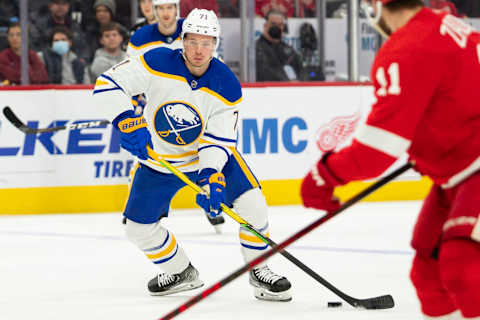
376 21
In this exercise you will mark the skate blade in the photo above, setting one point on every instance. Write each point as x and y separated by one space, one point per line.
266 295
182 287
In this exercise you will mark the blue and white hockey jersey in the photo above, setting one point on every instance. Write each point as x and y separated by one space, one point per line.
149 37
192 120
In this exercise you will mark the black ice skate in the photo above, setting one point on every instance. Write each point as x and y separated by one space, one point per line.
216 222
165 283
269 285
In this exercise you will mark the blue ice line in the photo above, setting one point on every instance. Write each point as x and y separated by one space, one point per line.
308 248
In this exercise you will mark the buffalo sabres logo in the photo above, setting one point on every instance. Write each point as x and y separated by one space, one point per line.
178 123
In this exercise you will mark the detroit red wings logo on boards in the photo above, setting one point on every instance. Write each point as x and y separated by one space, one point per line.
335 132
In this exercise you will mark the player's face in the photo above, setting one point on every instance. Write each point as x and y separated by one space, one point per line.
167 14
198 48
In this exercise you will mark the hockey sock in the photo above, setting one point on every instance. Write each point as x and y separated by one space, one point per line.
434 298
460 272
159 245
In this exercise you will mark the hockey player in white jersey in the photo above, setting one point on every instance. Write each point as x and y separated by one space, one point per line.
190 118
164 33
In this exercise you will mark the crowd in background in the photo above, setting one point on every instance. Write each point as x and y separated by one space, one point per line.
73 41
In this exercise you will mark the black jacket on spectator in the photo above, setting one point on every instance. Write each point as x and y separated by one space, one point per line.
141 23
270 59
53 64
470 8
41 27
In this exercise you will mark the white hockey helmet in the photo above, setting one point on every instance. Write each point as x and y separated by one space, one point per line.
204 22
160 2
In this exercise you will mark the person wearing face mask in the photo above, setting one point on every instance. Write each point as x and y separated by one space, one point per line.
62 64
58 14
275 59
10 70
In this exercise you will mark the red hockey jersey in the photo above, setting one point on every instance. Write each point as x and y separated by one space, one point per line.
427 85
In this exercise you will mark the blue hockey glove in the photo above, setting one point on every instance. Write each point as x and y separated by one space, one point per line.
213 182
134 135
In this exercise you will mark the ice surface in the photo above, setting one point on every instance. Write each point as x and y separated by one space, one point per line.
82 267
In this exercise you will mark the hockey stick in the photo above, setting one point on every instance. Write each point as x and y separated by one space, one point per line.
381 302
12 117
355 302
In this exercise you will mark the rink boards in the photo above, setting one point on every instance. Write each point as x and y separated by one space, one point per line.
283 130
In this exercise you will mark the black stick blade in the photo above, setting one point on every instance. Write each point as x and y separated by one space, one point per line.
382 302
16 121
28 130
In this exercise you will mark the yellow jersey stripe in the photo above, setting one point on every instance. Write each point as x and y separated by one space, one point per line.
161 74
180 166
244 167
183 79
251 238
148 44
213 93
101 82
164 252
188 164
176 156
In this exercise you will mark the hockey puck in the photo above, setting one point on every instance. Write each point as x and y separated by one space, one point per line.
334 304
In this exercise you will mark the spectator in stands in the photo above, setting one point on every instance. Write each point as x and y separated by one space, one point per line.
8 15
41 27
146 8
62 64
188 5
229 8
307 9
446 6
262 7
10 65
470 8
276 60
104 14
111 52
312 65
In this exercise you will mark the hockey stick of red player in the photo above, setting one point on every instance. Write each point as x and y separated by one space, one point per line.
381 302
287 242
